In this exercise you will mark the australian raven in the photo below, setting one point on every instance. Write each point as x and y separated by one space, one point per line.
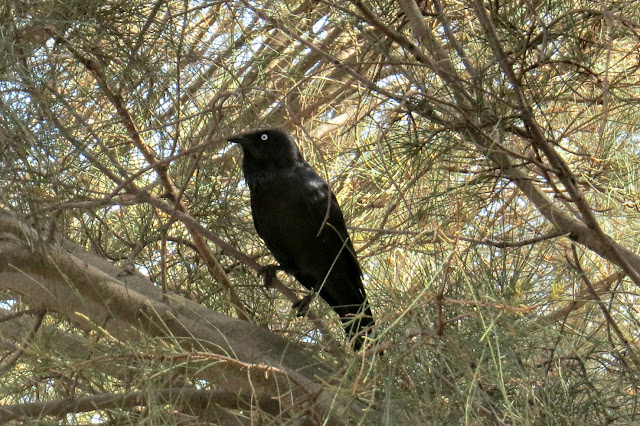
299 219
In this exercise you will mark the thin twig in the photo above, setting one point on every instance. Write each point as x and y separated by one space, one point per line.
605 311
13 358
433 235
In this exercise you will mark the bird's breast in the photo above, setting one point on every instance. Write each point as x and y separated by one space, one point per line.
284 217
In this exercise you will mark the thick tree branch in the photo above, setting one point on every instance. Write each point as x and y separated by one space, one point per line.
605 244
191 401
88 291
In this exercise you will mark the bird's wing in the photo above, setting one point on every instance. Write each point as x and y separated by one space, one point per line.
331 227
290 215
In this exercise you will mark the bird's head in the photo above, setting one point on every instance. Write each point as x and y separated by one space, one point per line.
268 148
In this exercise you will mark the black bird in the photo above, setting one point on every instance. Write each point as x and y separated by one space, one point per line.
300 221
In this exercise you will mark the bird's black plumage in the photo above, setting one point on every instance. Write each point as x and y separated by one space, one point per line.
300 221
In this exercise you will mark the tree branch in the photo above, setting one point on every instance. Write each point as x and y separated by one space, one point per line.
89 290
191 401
564 173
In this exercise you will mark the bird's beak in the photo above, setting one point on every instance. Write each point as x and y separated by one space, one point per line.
239 139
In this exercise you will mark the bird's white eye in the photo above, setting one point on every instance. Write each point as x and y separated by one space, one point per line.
264 136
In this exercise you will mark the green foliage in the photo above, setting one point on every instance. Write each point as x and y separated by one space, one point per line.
486 308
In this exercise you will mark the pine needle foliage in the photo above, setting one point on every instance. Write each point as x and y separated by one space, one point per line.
485 154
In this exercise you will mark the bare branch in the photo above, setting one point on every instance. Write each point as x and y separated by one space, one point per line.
193 401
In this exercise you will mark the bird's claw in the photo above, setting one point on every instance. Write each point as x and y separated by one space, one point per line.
302 305
268 274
